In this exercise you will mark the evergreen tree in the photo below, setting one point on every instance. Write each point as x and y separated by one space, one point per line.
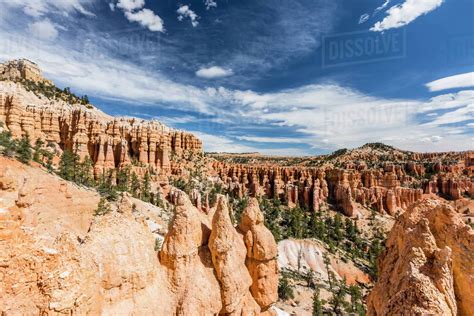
337 301
24 149
103 208
38 152
84 174
357 305
146 188
67 165
285 291
123 179
317 303
135 186
7 145
49 161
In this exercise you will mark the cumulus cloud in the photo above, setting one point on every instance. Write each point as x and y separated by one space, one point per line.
214 72
210 4
135 12
457 81
185 12
130 5
405 13
43 29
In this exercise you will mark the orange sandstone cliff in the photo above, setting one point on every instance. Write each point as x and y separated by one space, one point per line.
427 267
56 257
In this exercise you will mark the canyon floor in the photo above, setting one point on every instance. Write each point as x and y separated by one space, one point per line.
102 215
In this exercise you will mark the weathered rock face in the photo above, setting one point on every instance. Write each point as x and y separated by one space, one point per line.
261 255
187 260
57 257
427 266
109 142
21 69
228 256
390 189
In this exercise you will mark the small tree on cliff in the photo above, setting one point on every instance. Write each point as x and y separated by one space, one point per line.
317 303
135 185
85 172
285 292
67 165
38 152
24 149
103 208
146 188
123 179
7 145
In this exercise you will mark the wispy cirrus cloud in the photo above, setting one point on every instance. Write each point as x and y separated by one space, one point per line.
37 9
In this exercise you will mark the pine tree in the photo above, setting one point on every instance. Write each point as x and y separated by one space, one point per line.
67 165
146 188
285 291
317 303
38 152
103 208
135 186
49 160
357 305
85 172
24 149
123 179
7 145
337 301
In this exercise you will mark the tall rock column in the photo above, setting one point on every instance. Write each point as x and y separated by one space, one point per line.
228 256
261 256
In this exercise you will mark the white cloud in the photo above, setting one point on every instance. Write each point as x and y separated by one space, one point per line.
130 5
37 8
146 18
185 12
363 18
458 81
270 140
214 72
383 6
134 12
405 13
334 117
213 143
43 29
210 4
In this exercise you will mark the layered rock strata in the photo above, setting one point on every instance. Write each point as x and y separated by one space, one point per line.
387 190
109 142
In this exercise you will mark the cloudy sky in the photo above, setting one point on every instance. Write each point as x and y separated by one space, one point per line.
292 77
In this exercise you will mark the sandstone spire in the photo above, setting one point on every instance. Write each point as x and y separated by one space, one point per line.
261 255
228 255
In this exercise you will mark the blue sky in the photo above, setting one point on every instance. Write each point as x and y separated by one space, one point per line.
283 77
